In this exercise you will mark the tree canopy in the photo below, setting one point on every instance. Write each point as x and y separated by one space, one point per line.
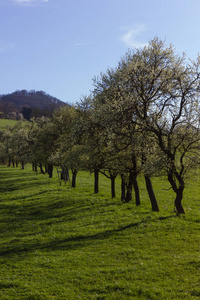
142 117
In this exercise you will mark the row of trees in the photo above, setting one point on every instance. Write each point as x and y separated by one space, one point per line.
141 117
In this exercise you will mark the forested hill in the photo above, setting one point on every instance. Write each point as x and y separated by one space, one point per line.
28 103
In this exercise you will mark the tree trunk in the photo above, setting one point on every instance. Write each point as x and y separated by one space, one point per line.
178 200
132 182
128 193
41 169
129 188
137 193
123 188
74 173
23 165
65 174
112 178
9 161
178 191
96 181
50 170
152 196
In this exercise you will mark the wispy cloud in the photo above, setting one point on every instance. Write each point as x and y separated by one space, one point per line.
29 2
83 44
131 36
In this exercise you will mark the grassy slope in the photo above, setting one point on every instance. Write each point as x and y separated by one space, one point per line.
64 243
7 122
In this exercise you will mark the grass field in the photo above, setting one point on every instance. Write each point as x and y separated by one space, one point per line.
7 122
64 243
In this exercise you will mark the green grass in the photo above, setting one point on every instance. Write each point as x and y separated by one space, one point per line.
7 122
64 243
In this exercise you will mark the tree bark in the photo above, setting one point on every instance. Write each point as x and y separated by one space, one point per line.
123 188
129 188
74 173
128 193
41 169
23 165
112 178
9 161
178 190
50 170
152 196
96 181
132 183
137 193
178 200
65 174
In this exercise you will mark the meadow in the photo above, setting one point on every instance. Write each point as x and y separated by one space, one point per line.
57 242
7 122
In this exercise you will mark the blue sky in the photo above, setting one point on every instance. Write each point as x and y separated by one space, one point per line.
59 46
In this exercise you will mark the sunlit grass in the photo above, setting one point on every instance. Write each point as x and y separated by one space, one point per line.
63 243
7 122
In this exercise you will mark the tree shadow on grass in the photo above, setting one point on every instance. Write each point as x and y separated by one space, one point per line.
20 185
7 285
13 206
68 244
14 217
8 172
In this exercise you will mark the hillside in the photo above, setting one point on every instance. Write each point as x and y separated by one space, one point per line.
28 104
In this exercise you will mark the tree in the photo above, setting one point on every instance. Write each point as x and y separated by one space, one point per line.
5 145
26 112
69 149
162 89
46 143
122 133
92 140
20 143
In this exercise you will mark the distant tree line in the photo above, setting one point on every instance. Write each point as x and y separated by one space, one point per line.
142 118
